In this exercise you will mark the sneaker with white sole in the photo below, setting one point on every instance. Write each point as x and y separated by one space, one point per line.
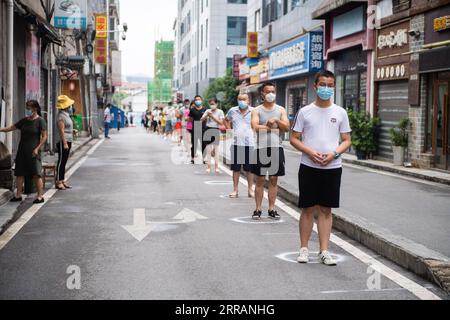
326 258
303 256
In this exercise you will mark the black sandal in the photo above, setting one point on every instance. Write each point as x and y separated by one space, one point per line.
37 201
15 199
67 186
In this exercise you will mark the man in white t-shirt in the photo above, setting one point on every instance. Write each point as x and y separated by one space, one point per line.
322 133
107 120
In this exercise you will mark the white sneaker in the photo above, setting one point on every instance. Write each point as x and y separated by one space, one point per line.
326 259
303 256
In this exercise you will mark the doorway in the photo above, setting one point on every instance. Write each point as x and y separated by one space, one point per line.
441 132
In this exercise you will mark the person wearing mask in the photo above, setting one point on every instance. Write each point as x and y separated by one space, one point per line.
198 129
239 120
33 135
270 121
214 118
64 138
107 120
322 133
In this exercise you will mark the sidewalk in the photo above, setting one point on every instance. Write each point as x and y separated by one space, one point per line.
10 212
405 221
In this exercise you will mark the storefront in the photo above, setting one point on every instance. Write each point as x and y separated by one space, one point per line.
392 72
253 73
292 66
349 51
435 66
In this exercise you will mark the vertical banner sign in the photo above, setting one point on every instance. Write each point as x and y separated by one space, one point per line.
71 14
33 67
252 44
101 42
116 77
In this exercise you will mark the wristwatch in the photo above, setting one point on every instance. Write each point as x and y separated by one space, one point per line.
336 155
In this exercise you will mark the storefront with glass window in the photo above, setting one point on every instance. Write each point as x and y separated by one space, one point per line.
434 67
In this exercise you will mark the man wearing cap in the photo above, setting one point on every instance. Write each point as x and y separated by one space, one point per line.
64 138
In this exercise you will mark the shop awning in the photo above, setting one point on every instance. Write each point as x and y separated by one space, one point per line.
329 6
45 29
253 88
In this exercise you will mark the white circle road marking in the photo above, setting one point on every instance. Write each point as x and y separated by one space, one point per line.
313 257
415 288
249 220
219 183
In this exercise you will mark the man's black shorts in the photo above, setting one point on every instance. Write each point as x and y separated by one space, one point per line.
319 187
242 157
269 161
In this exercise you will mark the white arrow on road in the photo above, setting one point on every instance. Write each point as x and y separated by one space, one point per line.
141 228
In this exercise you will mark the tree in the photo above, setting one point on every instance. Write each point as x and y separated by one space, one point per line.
227 85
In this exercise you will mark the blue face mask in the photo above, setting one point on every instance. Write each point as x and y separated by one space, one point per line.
325 93
198 103
243 105
28 112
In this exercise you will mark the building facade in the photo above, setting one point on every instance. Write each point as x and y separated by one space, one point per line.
160 87
208 34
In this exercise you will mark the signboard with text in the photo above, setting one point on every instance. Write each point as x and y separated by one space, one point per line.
101 26
299 56
252 44
101 41
71 14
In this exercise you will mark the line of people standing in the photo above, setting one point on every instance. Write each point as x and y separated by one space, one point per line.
321 132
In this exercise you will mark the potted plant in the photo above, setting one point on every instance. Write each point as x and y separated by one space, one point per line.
363 133
399 139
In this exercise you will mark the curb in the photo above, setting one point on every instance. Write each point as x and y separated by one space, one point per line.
422 261
397 171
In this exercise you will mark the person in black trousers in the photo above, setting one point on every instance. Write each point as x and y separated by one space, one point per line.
198 129
64 139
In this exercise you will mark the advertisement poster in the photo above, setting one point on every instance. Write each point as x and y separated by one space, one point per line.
71 14
33 67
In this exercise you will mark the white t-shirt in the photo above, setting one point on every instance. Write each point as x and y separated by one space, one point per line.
242 127
107 115
321 130
218 113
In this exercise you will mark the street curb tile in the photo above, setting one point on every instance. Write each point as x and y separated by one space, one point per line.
427 263
397 171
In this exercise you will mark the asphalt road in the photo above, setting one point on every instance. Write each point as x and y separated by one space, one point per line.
220 257
411 208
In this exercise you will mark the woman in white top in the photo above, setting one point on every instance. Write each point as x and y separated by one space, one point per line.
214 118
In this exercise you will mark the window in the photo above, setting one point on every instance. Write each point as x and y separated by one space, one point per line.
237 31
238 1
229 63
272 10
201 71
201 38
258 20
206 34
206 69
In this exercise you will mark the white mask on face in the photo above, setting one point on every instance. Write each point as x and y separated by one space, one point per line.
271 97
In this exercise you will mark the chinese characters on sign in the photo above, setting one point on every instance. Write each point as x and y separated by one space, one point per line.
252 44
442 23
101 42
316 51
101 26
299 56
71 14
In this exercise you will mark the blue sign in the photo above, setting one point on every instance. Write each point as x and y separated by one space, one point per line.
299 56
71 14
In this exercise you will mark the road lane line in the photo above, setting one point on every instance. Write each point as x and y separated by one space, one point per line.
413 287
14 229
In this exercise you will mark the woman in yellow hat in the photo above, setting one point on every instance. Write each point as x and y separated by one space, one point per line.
64 139
33 135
